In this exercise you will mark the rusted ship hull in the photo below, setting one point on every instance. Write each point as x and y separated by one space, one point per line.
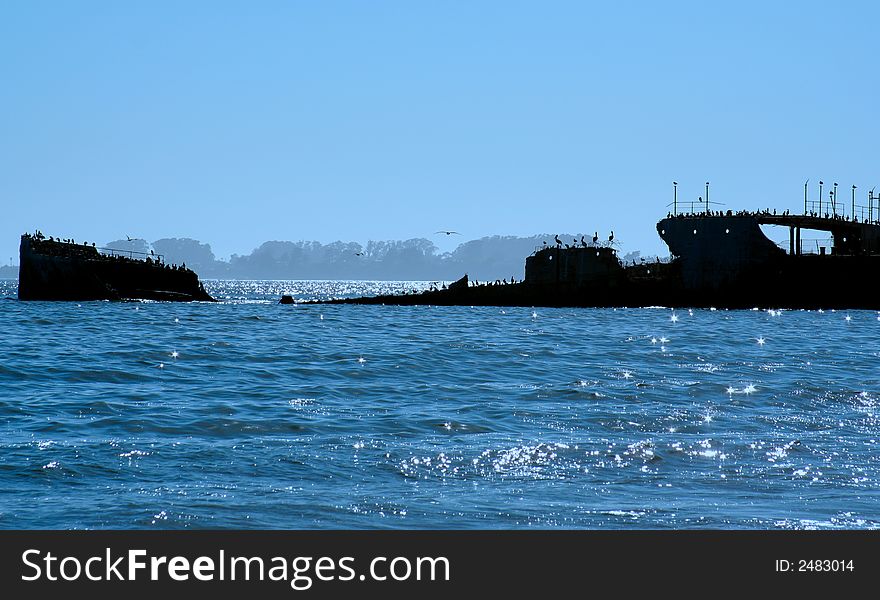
51 270
720 261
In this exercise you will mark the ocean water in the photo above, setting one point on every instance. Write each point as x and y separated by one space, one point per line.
250 414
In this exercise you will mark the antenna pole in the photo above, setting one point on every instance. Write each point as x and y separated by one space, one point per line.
834 200
674 197
805 196
707 197
853 215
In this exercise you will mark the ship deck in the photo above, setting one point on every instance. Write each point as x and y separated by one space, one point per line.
815 222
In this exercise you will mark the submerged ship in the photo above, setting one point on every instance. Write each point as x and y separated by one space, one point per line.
52 269
717 259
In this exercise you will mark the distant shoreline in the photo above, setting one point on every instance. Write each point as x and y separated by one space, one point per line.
417 259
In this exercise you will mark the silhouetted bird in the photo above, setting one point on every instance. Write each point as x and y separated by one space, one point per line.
611 237
583 243
558 241
358 253
448 232
595 237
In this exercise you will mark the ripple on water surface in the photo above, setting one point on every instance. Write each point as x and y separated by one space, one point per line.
247 413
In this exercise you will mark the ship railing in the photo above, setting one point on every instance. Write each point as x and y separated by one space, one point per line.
864 213
590 244
815 245
694 208
647 261
131 254
810 245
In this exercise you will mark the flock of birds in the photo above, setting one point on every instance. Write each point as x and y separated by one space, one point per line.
559 243
583 242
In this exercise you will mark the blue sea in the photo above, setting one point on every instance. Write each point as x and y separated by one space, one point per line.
250 414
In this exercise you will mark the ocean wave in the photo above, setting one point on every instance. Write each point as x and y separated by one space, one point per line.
162 415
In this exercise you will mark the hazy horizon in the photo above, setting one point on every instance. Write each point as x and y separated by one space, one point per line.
486 258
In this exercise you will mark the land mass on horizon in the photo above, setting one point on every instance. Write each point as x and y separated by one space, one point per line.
486 258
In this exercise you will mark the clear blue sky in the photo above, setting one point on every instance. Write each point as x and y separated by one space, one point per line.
236 123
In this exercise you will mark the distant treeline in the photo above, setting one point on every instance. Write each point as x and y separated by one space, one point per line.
488 258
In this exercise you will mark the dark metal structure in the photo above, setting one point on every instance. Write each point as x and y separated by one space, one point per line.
60 270
718 259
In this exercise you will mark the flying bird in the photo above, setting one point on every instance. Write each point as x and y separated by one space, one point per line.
448 232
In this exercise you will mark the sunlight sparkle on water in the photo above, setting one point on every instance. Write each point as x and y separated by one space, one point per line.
269 399
746 390
761 341
674 318
175 354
